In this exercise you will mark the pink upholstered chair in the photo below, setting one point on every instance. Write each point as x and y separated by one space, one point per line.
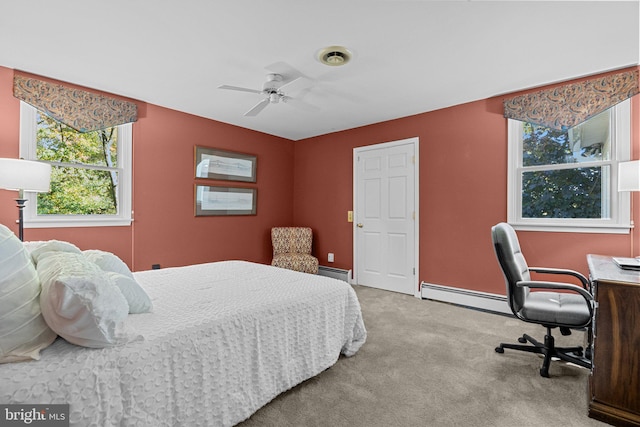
292 249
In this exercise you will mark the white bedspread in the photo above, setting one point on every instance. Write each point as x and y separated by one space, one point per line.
224 339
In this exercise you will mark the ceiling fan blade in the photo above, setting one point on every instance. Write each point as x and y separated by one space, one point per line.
255 110
241 89
287 83
287 72
298 84
298 103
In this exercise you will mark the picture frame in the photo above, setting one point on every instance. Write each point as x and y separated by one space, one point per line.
212 163
216 201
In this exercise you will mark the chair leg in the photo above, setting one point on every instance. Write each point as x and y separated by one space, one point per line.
549 350
537 347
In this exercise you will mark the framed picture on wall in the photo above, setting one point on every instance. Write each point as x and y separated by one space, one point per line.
225 200
212 163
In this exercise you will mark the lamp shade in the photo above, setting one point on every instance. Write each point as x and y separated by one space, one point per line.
26 175
629 176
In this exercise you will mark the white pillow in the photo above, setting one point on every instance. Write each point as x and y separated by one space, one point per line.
108 261
137 298
31 245
139 301
23 331
43 249
80 302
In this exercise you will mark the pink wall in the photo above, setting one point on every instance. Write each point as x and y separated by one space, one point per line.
463 184
165 230
463 163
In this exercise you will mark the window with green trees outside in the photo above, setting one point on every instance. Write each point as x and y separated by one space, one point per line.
90 176
84 179
568 178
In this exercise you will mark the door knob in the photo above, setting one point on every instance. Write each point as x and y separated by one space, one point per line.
360 225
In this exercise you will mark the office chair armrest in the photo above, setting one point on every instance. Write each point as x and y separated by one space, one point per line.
561 286
586 283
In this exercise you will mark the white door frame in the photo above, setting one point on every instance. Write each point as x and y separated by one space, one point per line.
416 144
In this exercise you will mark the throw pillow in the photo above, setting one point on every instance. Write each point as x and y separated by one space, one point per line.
119 273
80 302
43 249
23 331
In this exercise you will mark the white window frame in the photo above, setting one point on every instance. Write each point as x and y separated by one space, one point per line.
620 215
28 151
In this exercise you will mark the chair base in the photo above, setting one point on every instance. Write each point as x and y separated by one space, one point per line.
549 350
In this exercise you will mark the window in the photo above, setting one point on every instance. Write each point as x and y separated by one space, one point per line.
90 177
567 180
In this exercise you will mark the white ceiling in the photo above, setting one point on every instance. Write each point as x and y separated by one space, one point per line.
410 57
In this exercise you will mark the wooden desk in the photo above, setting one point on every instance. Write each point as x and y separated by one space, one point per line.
614 384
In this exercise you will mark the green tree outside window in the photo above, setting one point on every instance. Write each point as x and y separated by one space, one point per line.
84 175
574 192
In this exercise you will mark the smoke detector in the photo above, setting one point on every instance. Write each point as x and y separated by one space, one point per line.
334 56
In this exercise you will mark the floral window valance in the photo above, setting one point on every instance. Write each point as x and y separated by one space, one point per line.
83 111
569 105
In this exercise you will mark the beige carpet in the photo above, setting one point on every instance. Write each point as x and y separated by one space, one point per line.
427 363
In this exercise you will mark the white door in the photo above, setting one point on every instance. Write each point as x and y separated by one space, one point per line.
385 225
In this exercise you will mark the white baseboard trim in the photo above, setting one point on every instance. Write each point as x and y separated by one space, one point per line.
336 273
480 300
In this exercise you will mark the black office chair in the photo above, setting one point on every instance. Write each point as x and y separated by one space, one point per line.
571 308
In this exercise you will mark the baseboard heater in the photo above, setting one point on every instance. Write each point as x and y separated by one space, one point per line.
336 273
474 299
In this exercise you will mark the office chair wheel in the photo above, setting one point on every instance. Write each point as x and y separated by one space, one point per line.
522 340
499 350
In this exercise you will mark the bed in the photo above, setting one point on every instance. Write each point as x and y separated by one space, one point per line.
223 340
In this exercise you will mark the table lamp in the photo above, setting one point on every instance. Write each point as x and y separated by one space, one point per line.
629 180
629 176
24 175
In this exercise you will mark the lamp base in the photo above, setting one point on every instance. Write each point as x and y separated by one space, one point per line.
20 203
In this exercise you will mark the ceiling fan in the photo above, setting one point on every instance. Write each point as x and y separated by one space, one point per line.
272 89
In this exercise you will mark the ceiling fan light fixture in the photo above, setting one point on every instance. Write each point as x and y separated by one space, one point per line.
334 56
271 92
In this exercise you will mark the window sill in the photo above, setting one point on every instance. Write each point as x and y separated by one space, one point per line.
78 222
604 229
